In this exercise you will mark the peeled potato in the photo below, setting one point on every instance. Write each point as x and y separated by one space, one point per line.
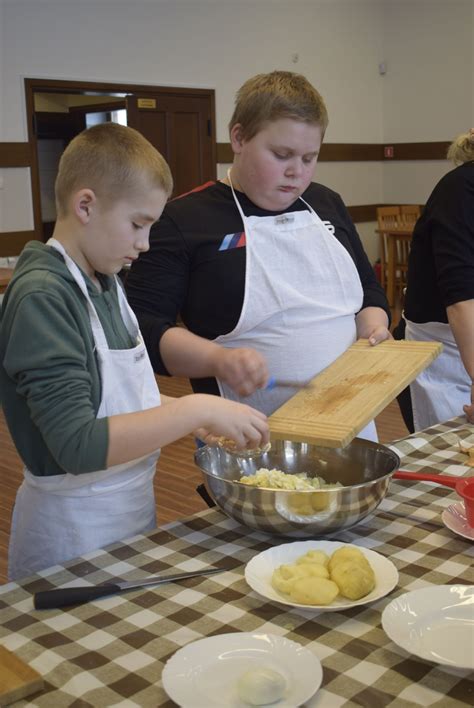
346 553
318 557
288 571
261 686
317 579
313 570
314 591
354 579
284 576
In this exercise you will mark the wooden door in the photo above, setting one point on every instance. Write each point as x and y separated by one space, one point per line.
181 127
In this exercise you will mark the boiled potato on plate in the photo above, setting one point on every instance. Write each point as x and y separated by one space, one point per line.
317 579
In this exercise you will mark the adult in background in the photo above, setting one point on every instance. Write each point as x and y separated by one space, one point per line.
439 304
265 266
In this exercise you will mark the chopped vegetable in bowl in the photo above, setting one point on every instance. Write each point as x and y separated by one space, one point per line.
276 479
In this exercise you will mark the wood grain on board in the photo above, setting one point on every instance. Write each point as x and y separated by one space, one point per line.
349 393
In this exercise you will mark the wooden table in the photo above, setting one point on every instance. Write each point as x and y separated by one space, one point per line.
111 652
5 277
393 236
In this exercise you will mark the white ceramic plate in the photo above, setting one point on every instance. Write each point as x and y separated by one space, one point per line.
259 571
204 674
454 518
434 623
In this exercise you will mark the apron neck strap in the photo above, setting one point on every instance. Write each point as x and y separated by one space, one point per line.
241 210
97 329
127 313
237 203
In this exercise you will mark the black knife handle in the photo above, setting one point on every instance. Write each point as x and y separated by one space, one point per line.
50 599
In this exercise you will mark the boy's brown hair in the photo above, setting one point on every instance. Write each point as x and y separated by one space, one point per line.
112 160
281 94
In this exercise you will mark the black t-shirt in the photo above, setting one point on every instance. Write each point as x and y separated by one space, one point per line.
195 267
441 262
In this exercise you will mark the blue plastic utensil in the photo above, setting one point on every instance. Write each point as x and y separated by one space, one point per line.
274 382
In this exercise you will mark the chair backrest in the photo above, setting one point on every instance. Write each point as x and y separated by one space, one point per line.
409 214
388 217
393 275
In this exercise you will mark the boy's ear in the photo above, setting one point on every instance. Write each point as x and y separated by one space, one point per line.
236 139
82 203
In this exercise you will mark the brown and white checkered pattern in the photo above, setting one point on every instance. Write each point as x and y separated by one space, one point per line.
111 652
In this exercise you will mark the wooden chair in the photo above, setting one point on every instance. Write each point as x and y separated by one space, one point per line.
387 218
395 246
409 214
402 251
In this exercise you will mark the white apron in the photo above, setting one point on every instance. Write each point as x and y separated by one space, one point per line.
302 292
60 517
441 390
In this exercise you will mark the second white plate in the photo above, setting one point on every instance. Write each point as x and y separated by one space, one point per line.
259 571
204 673
435 623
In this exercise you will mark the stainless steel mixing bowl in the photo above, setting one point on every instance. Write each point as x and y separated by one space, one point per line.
363 468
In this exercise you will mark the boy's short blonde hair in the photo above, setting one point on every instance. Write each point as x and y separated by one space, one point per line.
462 148
281 94
114 161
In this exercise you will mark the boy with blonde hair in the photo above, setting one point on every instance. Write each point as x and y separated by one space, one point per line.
278 252
78 391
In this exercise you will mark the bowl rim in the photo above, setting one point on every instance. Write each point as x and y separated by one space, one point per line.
382 448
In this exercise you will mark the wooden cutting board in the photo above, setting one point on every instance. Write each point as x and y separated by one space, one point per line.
349 393
17 679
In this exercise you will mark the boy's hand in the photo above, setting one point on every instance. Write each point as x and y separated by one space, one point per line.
469 409
372 324
236 421
244 370
378 334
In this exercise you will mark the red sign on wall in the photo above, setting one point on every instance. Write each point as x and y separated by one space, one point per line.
388 151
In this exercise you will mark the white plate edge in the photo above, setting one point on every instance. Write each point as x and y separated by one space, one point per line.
448 514
407 646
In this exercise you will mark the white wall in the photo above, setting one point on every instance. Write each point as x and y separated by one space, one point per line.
428 88
426 94
202 43
197 43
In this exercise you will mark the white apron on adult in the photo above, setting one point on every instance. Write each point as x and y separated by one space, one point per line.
60 517
298 310
440 391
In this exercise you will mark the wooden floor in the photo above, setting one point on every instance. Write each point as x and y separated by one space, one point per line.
176 479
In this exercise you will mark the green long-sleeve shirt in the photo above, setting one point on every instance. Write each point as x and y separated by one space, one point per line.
49 377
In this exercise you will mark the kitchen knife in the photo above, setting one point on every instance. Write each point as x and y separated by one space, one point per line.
49 599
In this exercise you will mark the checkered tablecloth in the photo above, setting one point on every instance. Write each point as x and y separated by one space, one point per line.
111 652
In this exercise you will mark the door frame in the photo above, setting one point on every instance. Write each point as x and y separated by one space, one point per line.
33 86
